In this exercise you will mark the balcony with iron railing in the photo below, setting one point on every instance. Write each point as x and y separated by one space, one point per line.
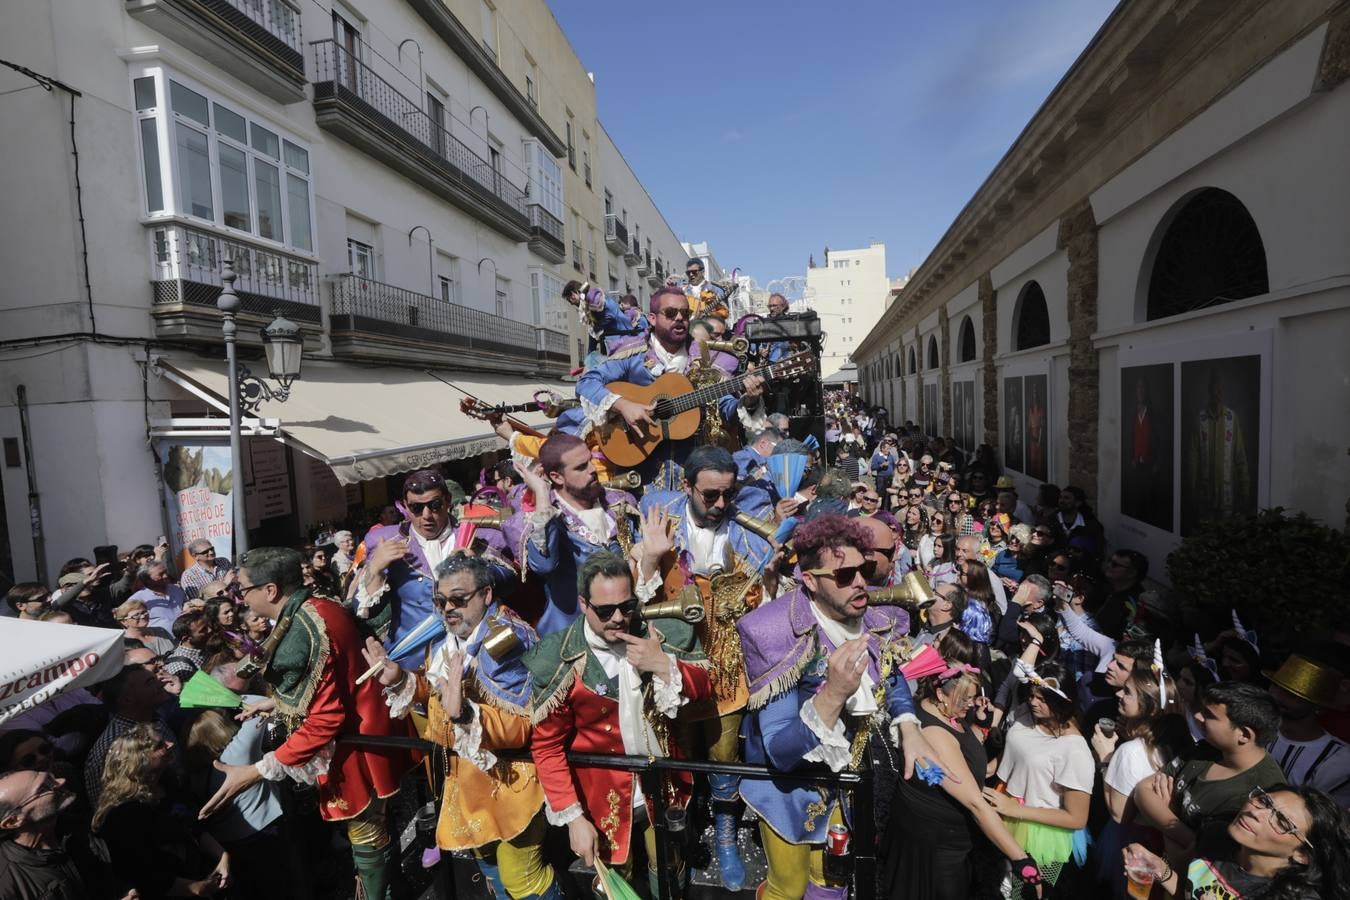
353 102
373 320
546 234
632 254
576 257
185 283
655 275
644 264
616 234
257 41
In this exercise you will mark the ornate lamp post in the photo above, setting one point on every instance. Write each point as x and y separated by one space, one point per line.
283 345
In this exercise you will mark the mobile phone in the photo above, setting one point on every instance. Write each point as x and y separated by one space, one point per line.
107 555
1063 592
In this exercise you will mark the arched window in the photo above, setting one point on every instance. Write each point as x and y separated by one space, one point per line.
913 362
896 361
933 361
965 340
1031 319
1211 253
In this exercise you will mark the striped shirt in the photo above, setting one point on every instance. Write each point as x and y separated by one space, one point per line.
1323 763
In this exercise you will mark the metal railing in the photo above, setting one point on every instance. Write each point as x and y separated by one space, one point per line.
616 233
634 252
384 308
546 222
354 82
279 18
552 343
859 784
184 253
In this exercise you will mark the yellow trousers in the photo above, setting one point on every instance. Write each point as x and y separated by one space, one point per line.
520 861
791 866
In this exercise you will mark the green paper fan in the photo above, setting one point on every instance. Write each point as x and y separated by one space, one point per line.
202 690
613 884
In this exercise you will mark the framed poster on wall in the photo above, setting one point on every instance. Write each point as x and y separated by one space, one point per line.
1035 415
1147 444
1220 437
1012 424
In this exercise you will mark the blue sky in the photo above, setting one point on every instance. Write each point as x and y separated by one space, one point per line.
772 129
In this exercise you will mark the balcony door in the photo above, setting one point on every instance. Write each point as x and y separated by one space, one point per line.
347 40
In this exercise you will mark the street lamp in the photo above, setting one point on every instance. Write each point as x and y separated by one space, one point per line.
283 345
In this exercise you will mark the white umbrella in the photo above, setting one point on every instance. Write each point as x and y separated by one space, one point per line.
39 660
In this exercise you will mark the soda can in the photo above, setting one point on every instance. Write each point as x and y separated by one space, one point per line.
836 841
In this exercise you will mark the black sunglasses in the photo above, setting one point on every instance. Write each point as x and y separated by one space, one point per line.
711 495
605 611
671 314
442 601
844 575
436 505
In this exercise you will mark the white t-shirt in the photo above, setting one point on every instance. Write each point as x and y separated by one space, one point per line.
1323 763
1130 764
1039 768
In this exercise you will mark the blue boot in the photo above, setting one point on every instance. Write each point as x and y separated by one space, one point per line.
725 823
493 878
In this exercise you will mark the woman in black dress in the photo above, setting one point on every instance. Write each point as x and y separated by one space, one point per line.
929 833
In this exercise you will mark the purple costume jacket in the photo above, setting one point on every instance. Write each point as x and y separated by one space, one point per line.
785 662
410 582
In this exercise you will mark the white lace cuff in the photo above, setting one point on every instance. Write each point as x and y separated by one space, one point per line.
898 721
834 749
669 695
365 599
306 773
536 522
565 817
399 698
469 741
597 413
647 589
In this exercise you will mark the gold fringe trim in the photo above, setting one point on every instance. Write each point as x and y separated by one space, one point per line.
542 710
780 685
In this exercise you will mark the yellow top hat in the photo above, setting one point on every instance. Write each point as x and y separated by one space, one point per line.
1314 682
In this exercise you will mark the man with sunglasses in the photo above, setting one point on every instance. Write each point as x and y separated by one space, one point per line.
476 693
394 594
668 348
823 642
611 683
574 516
698 288
312 668
691 537
33 858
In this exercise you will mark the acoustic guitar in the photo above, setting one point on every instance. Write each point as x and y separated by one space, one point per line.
678 411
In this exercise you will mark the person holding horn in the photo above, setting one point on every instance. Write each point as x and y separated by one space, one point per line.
611 683
476 693
694 544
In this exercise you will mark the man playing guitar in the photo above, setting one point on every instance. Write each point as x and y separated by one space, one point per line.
668 348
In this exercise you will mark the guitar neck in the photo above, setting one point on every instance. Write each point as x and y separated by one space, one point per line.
712 393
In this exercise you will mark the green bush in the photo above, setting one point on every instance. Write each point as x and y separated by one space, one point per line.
1286 575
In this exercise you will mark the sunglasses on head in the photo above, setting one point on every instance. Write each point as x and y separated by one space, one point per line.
845 575
422 482
711 495
672 313
606 611
436 505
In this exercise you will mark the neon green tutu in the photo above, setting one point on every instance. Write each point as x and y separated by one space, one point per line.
1047 844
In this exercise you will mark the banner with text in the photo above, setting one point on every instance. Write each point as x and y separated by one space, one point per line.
198 480
39 660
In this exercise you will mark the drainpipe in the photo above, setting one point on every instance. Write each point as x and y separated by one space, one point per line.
34 502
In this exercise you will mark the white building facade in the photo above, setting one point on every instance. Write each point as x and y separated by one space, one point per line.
848 291
1129 279
642 249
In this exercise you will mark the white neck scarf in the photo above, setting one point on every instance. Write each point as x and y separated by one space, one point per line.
707 546
668 362
597 525
436 549
440 660
638 737
861 702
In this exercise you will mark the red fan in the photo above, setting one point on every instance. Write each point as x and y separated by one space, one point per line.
924 663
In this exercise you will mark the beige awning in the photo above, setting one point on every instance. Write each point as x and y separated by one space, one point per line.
367 422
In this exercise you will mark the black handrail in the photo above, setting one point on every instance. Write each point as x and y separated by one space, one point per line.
862 844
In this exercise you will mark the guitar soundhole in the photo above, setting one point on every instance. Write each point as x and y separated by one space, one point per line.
662 409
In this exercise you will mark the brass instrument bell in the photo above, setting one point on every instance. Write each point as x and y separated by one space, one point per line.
765 528
624 481
687 605
913 591
501 642
737 347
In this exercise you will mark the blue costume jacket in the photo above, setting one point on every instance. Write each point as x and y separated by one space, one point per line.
555 545
410 584
785 661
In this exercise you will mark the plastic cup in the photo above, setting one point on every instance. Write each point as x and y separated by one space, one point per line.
1107 725
1139 881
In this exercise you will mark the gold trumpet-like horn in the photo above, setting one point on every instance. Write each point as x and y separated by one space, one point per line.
912 591
736 347
624 481
501 642
686 605
495 518
765 528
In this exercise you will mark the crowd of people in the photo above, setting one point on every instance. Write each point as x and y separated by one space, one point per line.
1033 719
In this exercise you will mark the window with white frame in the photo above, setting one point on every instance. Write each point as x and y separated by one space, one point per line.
208 159
503 304
447 277
545 177
548 307
360 258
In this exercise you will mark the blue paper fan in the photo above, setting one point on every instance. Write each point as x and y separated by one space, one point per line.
810 441
429 629
786 470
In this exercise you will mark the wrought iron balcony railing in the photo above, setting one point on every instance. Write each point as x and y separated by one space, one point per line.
182 253
616 234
